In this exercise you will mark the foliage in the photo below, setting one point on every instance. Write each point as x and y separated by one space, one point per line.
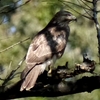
27 20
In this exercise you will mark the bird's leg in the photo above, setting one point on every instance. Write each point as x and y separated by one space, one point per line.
51 66
50 70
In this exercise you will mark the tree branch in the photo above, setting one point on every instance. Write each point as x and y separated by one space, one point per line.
96 24
15 44
62 82
8 8
66 4
59 88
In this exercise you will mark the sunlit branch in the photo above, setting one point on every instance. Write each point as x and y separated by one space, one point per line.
96 24
77 11
10 9
86 4
98 11
14 45
88 1
13 73
84 8
76 5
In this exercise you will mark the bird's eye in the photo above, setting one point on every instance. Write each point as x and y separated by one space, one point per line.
68 14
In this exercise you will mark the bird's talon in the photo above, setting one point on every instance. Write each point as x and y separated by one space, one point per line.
49 73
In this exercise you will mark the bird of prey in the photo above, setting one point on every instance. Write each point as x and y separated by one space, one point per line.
46 47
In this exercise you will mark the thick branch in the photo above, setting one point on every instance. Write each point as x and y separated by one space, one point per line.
54 89
96 24
62 82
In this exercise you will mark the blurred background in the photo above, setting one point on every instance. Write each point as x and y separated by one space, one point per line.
20 19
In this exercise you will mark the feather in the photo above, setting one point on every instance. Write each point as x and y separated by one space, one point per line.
31 78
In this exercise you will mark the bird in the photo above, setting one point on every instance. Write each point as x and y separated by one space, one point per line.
47 46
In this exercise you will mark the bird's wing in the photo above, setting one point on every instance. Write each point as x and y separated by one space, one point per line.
38 51
44 46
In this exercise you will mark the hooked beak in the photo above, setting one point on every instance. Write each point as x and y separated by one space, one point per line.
73 18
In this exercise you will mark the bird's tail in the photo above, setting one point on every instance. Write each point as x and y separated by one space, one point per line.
30 79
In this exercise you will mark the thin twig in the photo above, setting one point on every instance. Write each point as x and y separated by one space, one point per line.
13 73
86 4
15 7
1 79
88 1
20 63
9 9
15 44
98 11
85 9
77 5
78 12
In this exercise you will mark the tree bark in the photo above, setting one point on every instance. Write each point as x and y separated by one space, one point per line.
54 88
63 81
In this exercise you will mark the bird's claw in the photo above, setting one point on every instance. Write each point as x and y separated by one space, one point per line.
49 73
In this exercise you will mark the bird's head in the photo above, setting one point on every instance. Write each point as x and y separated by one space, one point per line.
62 18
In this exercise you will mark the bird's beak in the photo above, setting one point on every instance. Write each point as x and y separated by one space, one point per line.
73 18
